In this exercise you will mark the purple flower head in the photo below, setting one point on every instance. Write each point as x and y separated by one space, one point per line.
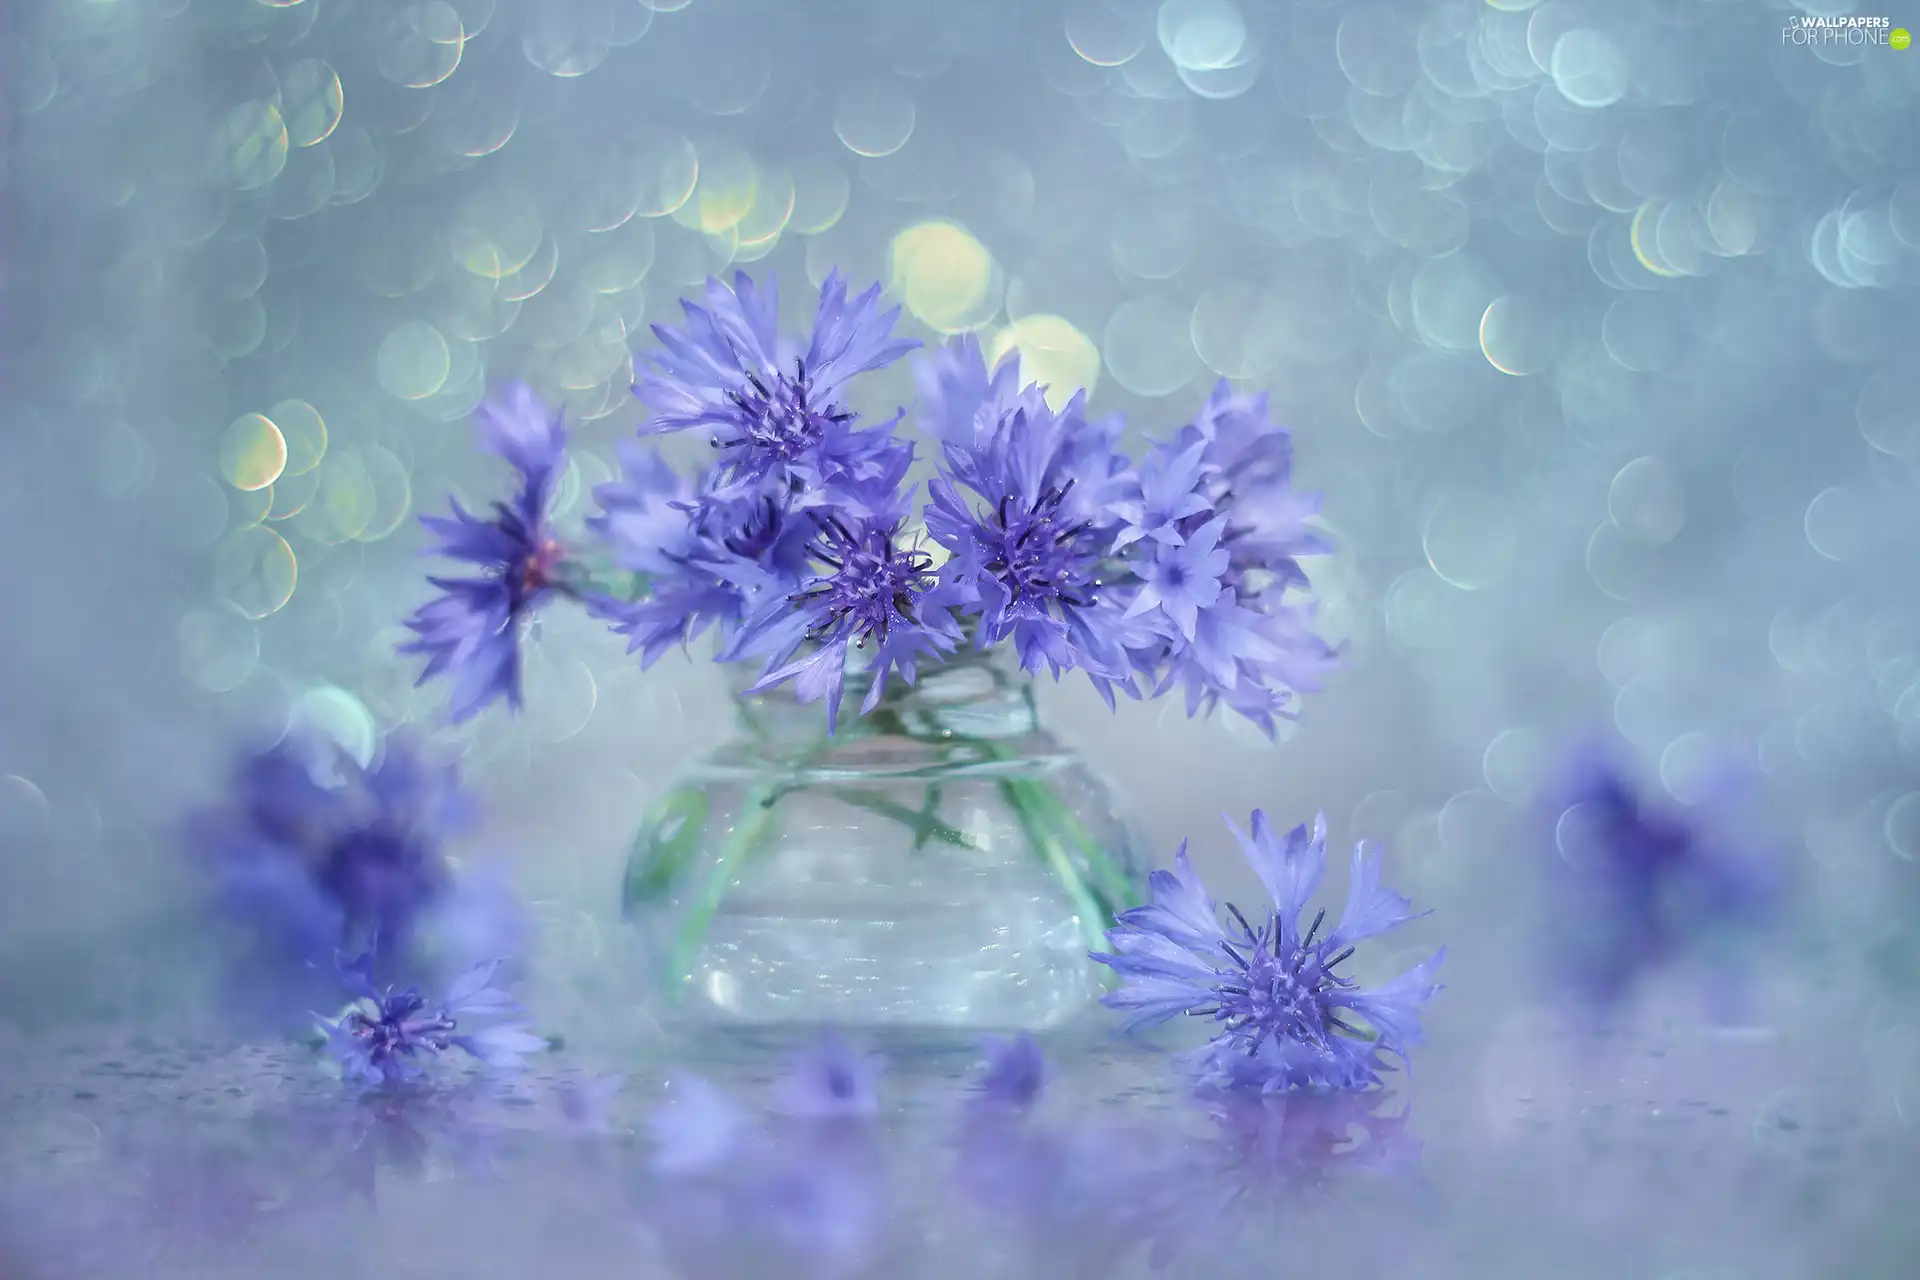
704 563
809 1199
1016 1072
315 853
1286 1015
962 403
869 592
1166 494
470 632
1646 883
1183 578
1001 439
1073 1191
390 1036
1022 511
1214 534
770 403
831 1081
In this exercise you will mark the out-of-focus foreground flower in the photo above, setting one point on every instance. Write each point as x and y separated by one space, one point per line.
1641 883
313 856
804 1190
1288 1017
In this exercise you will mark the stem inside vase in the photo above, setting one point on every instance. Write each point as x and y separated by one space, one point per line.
933 763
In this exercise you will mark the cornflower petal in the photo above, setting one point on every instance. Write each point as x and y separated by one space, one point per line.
1371 910
471 631
1289 867
1273 988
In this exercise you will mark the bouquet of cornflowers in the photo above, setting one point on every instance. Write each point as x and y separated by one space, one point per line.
801 546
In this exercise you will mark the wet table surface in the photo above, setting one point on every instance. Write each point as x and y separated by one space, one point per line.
1678 1154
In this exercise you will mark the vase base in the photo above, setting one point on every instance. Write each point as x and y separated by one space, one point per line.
967 969
948 1051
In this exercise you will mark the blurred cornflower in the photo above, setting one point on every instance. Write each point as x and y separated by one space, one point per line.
391 1036
1015 1073
315 854
870 593
808 1190
470 632
1072 1192
1642 883
770 404
705 564
832 1080
1287 1017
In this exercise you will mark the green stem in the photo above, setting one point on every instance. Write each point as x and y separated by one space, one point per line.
1114 886
920 821
1093 914
754 814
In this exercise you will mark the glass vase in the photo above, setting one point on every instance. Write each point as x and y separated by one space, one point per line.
941 862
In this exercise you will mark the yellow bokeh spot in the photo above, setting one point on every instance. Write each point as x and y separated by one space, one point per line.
773 201
944 275
253 453
1646 246
305 432
1514 337
725 189
496 233
1052 352
250 146
311 101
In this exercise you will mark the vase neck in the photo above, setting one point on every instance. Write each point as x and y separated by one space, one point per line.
971 696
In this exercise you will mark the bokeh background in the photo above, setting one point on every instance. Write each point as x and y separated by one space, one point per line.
1595 322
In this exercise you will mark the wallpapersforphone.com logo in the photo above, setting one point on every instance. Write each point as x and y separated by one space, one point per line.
1850 30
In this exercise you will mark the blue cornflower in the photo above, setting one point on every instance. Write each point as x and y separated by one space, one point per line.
1167 493
962 402
1645 884
1286 1014
1028 551
1249 644
1015 1073
316 854
807 1195
390 1036
832 1080
703 562
471 631
870 592
771 405
1182 579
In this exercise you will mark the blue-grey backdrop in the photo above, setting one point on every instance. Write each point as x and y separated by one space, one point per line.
1595 320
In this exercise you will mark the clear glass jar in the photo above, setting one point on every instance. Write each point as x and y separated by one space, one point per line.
942 862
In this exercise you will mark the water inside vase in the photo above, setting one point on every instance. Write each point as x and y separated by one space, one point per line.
943 864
